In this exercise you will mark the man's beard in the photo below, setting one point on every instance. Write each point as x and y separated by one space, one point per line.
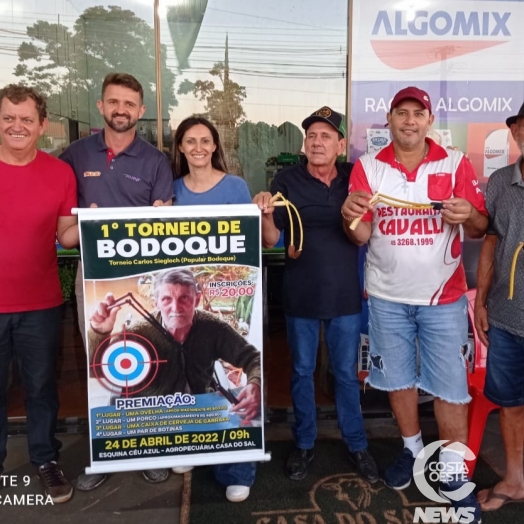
120 127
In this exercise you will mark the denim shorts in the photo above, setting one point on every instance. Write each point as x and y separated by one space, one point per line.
419 347
505 369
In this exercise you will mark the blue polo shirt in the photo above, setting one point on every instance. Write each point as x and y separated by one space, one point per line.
137 176
323 282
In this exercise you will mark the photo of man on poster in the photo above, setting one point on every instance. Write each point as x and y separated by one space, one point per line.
186 344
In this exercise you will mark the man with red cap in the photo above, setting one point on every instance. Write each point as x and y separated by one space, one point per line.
415 280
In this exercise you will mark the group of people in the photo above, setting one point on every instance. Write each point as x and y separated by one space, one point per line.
414 276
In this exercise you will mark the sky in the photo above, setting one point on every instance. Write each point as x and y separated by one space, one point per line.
289 55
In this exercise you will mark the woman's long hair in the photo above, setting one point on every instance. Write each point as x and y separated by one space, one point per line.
180 165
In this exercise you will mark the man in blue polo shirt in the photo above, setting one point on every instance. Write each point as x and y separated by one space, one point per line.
117 168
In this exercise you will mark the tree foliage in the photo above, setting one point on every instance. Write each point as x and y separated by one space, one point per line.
223 106
69 64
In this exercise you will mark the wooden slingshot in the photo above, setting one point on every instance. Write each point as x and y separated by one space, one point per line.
280 200
395 202
513 268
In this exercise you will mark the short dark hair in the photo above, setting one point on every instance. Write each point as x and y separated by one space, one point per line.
16 93
180 276
180 165
124 80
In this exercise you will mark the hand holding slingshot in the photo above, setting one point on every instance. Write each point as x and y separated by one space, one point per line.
395 202
279 200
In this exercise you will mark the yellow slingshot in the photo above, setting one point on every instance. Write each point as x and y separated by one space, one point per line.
395 202
280 200
512 271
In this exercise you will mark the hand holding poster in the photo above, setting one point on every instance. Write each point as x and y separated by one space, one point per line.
174 315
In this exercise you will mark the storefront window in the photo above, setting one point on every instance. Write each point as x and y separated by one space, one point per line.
65 49
256 69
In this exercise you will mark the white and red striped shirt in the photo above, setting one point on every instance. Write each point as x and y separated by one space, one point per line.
413 256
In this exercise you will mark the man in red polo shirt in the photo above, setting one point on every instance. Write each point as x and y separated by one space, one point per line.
37 193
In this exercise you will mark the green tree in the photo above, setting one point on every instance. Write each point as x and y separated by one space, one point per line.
69 65
223 106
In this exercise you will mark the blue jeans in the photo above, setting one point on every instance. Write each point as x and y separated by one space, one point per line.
33 339
342 335
505 369
238 474
442 335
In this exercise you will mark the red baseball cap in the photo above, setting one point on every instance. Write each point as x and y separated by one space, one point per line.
413 93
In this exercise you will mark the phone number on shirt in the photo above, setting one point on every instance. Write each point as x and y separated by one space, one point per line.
412 242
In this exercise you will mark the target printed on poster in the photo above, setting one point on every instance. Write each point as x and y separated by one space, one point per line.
125 363
128 362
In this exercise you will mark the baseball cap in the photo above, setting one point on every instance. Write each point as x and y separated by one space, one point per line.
513 119
326 114
414 93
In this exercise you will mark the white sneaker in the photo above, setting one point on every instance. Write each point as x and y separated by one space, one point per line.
237 493
180 470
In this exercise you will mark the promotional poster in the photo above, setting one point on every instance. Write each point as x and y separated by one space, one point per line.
173 301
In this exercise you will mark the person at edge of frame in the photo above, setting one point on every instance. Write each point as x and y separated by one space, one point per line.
37 194
499 317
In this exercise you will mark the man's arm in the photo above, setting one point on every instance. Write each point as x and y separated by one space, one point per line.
457 211
249 405
484 278
67 231
357 206
476 225
468 207
101 323
235 349
162 191
231 346
270 232
67 224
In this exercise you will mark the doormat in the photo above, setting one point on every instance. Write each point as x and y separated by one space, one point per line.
331 493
